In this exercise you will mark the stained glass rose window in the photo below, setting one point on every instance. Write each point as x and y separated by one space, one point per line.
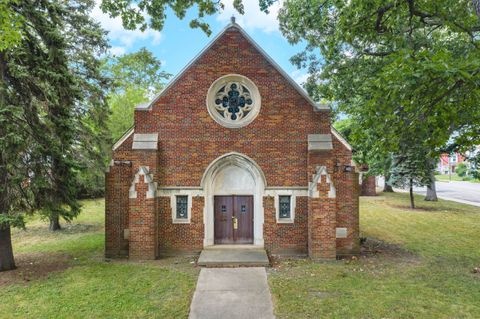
233 101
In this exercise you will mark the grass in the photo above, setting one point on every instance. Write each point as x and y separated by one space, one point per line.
454 177
64 275
415 264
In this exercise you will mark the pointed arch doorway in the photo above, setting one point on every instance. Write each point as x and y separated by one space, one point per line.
234 187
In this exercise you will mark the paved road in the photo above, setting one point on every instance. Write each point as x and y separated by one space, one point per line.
232 293
462 192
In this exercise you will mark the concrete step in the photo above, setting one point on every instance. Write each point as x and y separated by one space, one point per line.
233 257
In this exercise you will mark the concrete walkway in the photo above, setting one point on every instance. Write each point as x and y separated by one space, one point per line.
233 257
232 293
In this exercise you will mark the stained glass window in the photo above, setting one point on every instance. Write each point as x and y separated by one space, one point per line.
284 203
182 207
233 101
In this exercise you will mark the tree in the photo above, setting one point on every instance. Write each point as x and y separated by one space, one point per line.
151 14
122 106
461 170
431 195
135 77
476 4
378 161
51 99
411 169
10 24
398 69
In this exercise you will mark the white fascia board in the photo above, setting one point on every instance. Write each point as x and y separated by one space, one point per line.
341 139
122 139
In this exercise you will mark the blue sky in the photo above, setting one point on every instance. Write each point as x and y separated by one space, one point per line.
177 44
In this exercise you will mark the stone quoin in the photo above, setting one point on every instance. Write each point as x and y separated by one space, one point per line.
232 151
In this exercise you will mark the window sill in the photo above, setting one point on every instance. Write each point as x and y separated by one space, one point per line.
285 221
181 221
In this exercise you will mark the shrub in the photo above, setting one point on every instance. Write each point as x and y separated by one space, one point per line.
461 169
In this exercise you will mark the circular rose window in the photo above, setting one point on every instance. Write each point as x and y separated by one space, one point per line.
233 101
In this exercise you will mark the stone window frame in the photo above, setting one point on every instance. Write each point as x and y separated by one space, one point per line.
293 203
173 204
254 93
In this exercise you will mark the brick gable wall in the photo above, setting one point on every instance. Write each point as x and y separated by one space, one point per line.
189 140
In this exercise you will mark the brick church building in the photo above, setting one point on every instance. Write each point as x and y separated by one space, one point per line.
232 151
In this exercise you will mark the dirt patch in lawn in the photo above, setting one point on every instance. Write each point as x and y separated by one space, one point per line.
371 247
417 209
34 266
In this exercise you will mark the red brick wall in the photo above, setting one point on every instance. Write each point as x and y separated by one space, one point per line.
347 213
369 186
189 140
142 223
287 239
180 238
322 223
117 184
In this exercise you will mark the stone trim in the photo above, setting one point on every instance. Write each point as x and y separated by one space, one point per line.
255 97
320 142
148 179
341 232
293 202
145 141
233 158
173 205
313 187
172 193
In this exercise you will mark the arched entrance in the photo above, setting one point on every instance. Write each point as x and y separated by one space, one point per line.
234 186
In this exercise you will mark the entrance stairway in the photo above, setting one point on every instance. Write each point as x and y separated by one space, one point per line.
233 256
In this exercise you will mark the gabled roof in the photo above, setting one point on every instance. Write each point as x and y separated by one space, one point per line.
316 106
341 138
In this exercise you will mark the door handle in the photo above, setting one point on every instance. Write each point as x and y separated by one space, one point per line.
235 222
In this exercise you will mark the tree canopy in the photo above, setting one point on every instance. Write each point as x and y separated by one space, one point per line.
398 68
52 112
135 77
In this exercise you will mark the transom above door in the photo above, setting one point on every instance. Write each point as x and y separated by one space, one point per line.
233 219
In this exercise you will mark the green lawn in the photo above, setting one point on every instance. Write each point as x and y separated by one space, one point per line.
456 178
415 264
63 275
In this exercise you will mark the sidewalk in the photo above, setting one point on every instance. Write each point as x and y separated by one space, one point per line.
232 293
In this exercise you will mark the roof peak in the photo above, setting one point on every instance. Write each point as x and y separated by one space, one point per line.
233 24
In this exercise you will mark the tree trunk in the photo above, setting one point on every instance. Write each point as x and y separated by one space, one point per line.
7 262
387 188
54 222
431 190
412 200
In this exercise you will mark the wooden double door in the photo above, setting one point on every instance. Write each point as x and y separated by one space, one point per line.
233 219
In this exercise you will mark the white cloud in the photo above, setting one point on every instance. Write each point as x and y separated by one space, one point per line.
299 76
253 18
116 32
117 50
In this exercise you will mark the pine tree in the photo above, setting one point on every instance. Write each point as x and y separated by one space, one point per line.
51 105
411 167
